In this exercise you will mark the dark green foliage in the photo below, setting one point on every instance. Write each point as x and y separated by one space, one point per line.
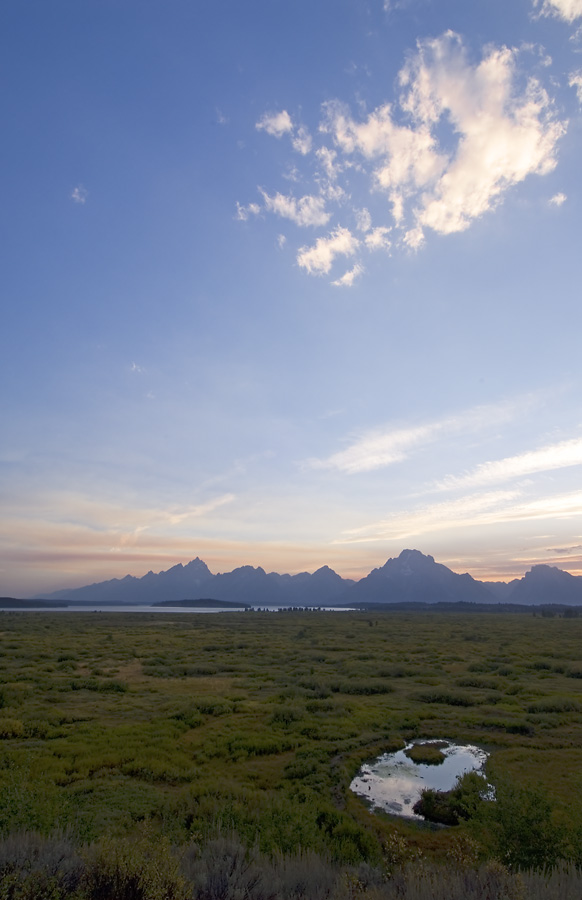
523 831
450 807
429 754
256 723
450 699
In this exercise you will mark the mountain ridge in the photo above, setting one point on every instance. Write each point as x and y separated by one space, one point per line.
410 577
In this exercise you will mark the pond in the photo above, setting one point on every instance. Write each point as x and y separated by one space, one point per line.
394 781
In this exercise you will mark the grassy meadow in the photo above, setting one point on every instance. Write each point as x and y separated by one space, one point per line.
192 728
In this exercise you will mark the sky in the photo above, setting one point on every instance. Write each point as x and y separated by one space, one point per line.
289 284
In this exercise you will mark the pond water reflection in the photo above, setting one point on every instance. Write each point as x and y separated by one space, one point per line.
394 782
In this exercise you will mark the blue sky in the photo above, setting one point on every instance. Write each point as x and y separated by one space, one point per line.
289 284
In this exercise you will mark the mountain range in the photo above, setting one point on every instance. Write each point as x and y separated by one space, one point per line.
409 578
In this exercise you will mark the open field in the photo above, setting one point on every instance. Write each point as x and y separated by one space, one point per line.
255 723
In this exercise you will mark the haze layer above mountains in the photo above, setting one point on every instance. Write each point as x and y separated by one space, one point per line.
410 577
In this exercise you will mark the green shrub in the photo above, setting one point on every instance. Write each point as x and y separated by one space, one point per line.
450 699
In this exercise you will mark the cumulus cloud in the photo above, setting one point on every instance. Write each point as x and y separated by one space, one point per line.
318 259
568 10
503 134
281 123
558 199
460 134
348 278
308 210
79 194
275 124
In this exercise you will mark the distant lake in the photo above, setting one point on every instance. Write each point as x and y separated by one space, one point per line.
188 610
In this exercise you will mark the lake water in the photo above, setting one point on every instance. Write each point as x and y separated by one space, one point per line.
135 608
394 783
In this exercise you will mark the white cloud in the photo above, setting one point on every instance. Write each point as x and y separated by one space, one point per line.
378 239
502 134
575 81
244 212
568 10
275 124
558 199
278 124
376 449
407 156
318 259
546 459
461 513
328 159
281 241
308 210
363 220
461 133
489 508
302 141
383 447
175 516
348 278
136 368
414 238
79 194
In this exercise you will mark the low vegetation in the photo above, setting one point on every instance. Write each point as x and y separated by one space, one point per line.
157 743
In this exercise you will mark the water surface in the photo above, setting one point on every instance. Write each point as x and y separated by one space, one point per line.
394 783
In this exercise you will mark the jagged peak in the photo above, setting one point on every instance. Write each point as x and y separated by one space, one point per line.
544 570
325 570
415 556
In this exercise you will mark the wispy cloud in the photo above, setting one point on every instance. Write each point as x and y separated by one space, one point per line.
489 508
175 516
243 213
434 517
308 210
377 239
79 194
575 81
301 141
545 459
383 447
